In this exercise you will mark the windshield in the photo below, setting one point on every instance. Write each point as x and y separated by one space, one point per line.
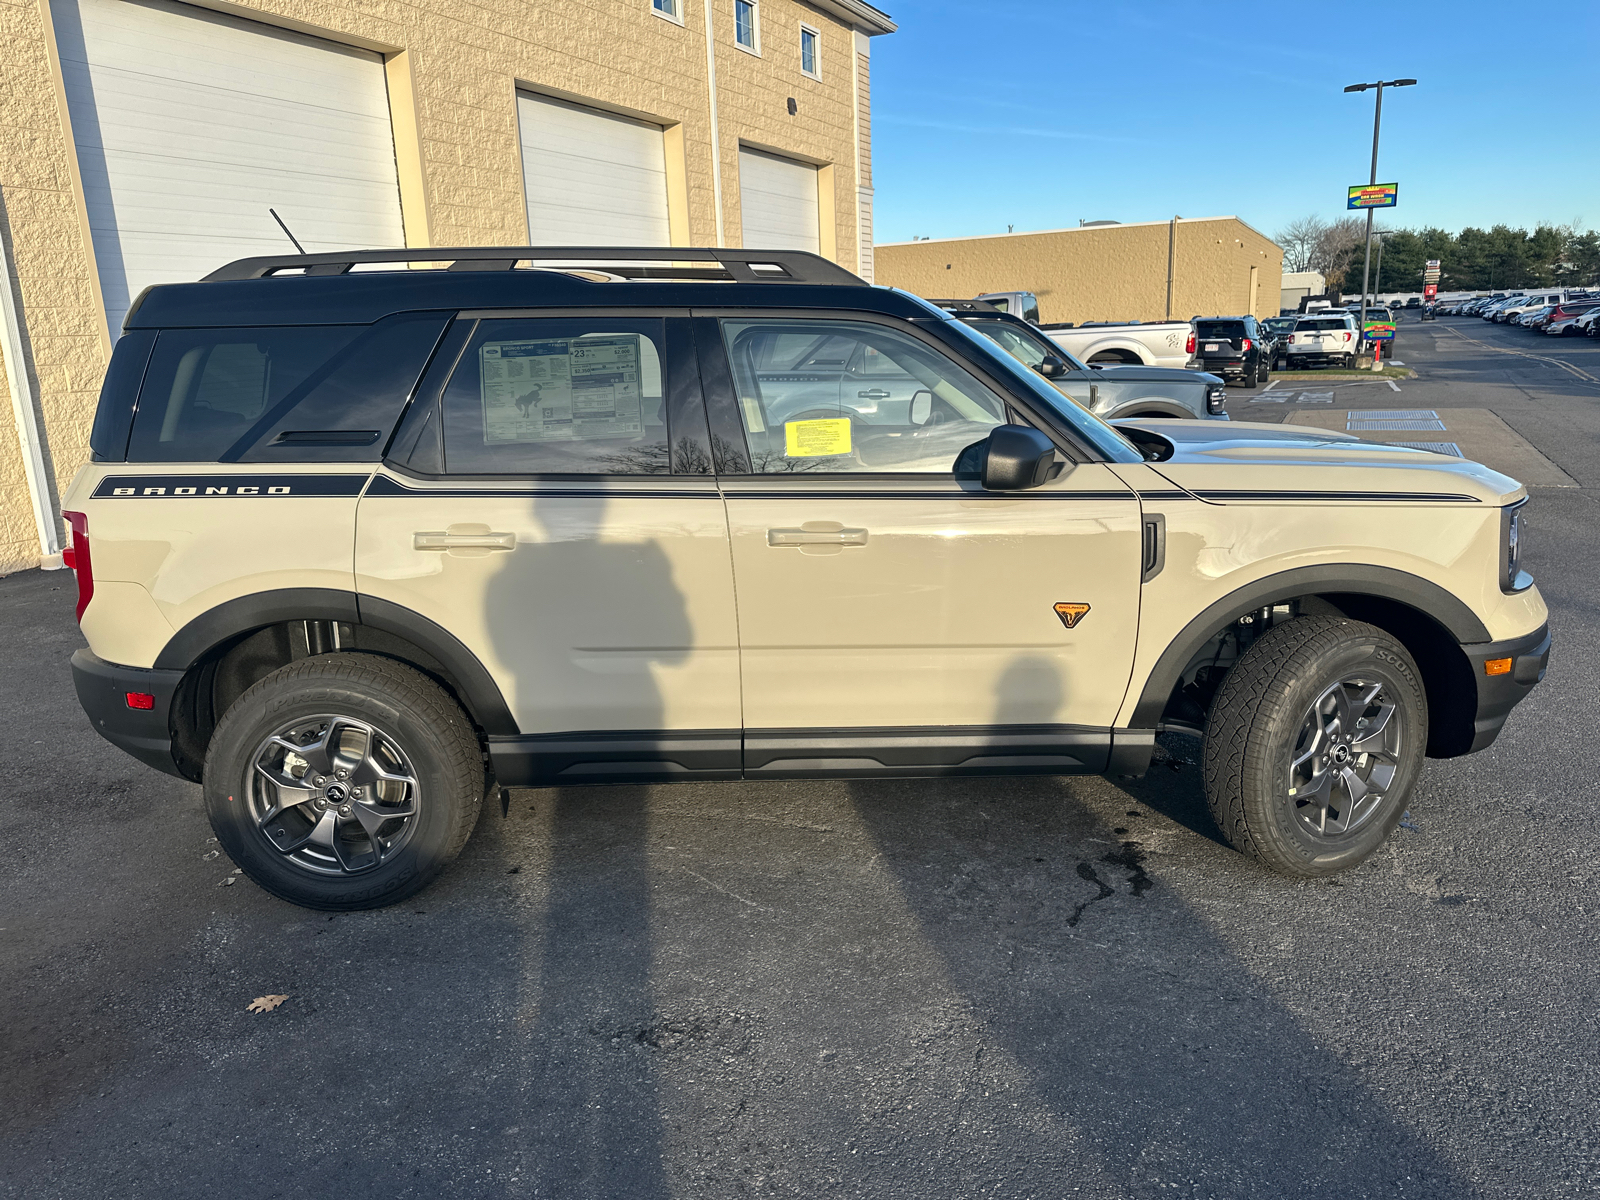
1096 432
1025 346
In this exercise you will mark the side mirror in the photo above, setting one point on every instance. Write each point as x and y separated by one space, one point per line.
1016 457
921 407
1051 367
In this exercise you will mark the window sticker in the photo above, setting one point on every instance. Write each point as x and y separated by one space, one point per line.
817 439
561 389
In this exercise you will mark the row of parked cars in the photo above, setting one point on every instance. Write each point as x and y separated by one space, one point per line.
1557 312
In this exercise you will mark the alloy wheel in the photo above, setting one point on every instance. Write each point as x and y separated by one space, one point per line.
1345 758
332 794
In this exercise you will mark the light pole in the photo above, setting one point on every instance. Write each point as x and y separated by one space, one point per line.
1377 117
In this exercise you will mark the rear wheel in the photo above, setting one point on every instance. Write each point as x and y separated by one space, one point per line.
344 781
1248 379
1314 742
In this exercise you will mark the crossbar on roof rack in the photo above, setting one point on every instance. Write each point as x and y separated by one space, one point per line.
742 266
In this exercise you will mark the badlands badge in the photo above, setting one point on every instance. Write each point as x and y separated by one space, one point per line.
1071 613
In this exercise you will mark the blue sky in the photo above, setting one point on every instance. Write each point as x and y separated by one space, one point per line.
1039 113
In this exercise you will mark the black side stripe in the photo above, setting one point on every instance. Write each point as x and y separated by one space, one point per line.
1392 497
385 486
230 486
952 494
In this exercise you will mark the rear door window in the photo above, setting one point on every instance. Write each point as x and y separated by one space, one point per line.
559 396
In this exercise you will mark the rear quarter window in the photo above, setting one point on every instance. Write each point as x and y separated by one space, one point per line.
309 393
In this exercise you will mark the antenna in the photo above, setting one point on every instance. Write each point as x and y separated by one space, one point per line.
285 229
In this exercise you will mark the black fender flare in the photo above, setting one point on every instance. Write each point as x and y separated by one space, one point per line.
246 614
1426 597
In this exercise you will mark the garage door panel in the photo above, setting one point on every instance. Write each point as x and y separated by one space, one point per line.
778 203
591 177
189 125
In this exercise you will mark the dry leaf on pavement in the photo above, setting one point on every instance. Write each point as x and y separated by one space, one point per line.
263 1004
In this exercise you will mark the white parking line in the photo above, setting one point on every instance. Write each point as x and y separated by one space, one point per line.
1392 384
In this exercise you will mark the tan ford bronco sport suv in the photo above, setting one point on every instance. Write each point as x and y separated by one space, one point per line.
356 547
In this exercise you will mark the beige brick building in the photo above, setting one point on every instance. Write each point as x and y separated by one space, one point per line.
1218 266
144 141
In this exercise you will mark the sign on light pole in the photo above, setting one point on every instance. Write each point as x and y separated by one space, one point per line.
1372 184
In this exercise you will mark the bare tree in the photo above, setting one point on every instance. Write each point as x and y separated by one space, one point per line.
1338 250
1299 241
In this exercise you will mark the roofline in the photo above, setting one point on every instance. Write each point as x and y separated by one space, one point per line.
860 15
979 237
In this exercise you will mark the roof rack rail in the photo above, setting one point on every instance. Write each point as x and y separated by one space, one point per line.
741 266
966 306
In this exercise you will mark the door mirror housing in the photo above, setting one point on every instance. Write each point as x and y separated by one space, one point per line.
1016 457
921 409
1051 367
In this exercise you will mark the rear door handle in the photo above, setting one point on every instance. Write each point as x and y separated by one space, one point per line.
453 540
816 537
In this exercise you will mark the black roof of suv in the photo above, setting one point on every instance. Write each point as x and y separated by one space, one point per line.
325 289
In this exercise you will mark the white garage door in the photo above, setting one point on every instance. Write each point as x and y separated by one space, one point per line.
778 200
591 178
189 125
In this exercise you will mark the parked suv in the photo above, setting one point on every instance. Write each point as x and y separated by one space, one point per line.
1325 340
1238 348
1109 391
356 548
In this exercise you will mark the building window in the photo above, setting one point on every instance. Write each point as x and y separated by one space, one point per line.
809 61
672 10
745 30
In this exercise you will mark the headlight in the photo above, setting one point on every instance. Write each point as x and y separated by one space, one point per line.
1216 398
1513 540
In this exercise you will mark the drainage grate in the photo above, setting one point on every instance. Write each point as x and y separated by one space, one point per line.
1433 426
1393 414
1449 448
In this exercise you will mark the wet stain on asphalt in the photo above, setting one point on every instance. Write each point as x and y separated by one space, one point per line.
1131 859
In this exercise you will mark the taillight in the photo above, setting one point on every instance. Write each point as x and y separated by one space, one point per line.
1247 345
1291 338
1188 347
76 556
1347 335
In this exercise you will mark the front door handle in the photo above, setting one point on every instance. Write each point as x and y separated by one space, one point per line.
874 394
463 541
829 534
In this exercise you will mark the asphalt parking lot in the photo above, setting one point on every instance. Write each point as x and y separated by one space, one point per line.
1007 988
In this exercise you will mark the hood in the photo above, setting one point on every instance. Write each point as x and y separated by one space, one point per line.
1137 374
1245 461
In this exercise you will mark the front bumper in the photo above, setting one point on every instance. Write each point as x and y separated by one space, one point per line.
1499 694
145 733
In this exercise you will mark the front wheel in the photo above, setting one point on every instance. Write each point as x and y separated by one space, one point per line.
344 781
1314 742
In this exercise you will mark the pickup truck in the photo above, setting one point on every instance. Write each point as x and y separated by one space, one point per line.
1129 343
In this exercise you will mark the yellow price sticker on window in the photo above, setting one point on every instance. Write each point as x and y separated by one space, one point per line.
817 439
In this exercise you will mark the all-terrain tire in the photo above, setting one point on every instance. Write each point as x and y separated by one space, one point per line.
422 735
1260 714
